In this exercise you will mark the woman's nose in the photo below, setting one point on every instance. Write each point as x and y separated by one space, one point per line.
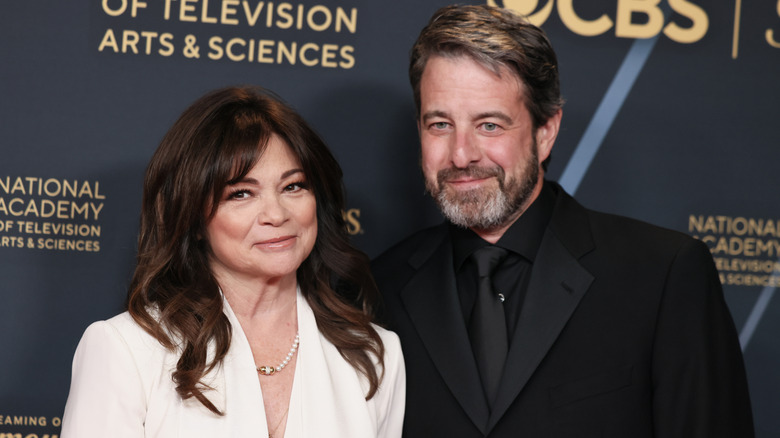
272 212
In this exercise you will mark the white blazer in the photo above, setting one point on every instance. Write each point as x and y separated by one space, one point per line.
122 387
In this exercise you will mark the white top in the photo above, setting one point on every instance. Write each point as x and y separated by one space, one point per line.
122 387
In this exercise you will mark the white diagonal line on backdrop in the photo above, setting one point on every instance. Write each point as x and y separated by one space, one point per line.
605 114
755 316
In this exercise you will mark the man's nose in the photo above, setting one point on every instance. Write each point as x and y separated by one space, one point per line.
464 150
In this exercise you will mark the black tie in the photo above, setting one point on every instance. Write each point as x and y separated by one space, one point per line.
487 330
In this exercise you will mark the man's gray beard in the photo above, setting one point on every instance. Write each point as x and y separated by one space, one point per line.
485 208
478 208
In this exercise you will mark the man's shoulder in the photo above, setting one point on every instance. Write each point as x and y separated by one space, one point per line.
607 240
404 256
617 227
621 240
572 220
410 245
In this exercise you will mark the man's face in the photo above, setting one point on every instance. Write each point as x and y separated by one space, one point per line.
480 155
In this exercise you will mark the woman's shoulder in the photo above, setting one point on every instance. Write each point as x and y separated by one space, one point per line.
392 344
387 335
122 324
119 372
122 331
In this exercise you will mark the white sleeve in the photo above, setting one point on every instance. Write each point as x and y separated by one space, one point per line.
391 395
106 396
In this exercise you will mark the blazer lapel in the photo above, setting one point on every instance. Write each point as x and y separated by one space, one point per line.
558 283
235 379
431 300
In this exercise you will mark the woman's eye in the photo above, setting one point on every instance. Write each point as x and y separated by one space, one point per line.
296 186
239 194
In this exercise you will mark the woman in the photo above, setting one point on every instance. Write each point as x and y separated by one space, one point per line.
249 313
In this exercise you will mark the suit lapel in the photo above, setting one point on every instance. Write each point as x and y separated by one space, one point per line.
557 284
431 300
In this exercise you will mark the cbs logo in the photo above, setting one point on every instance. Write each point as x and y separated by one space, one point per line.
633 18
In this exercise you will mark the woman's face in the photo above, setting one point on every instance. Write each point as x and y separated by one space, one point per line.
266 224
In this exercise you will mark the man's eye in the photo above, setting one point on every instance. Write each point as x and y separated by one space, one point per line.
440 125
490 126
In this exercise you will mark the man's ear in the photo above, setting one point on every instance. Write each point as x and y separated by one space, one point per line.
546 135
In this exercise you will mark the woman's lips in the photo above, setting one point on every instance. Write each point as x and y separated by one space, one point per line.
277 242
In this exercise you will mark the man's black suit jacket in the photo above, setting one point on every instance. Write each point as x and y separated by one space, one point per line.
624 333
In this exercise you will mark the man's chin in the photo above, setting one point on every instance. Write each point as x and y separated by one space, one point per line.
467 211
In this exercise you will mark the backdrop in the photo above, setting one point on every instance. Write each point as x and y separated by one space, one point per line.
671 117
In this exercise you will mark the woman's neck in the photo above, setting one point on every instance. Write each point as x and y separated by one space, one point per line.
270 301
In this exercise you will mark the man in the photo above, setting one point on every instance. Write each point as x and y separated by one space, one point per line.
585 324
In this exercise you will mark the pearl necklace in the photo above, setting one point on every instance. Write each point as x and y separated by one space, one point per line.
268 370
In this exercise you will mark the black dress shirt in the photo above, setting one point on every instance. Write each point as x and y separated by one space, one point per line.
511 277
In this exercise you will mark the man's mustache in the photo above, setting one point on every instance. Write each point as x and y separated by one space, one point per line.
472 171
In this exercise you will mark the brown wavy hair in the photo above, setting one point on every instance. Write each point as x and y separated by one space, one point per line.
173 294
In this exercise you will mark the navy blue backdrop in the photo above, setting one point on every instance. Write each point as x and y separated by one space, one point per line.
671 117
